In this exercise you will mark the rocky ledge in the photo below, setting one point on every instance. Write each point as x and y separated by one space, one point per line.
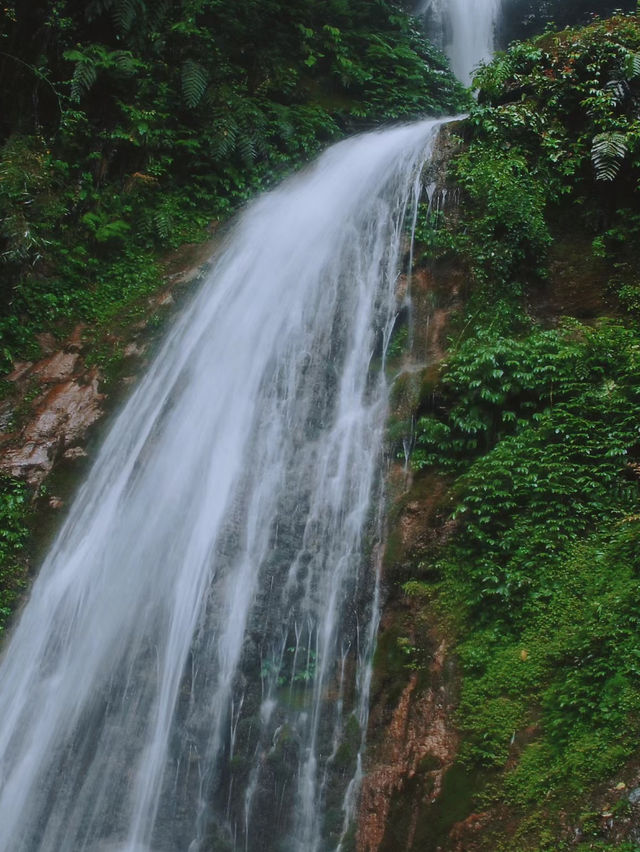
52 403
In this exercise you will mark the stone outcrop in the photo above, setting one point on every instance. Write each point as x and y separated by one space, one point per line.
57 399
413 742
418 746
59 420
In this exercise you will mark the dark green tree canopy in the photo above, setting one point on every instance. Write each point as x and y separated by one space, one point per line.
125 122
524 18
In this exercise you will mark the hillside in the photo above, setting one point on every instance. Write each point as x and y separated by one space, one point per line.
506 689
128 129
510 648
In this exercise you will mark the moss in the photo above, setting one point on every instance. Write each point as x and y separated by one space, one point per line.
460 787
394 555
428 763
431 823
389 664
347 752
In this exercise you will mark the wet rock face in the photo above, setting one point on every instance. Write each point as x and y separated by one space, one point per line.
58 368
419 747
60 399
413 742
57 399
60 419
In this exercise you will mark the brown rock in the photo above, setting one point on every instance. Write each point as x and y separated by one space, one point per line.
47 342
166 298
75 453
66 412
61 419
30 461
186 263
57 368
20 369
134 350
75 343
420 731
461 832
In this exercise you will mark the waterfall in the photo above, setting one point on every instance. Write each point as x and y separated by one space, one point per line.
464 28
192 669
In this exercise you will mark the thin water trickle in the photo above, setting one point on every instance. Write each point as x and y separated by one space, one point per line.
192 670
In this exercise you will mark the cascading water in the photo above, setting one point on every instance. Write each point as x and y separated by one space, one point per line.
192 669
464 28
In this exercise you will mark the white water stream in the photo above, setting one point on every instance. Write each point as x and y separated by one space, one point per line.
464 28
192 669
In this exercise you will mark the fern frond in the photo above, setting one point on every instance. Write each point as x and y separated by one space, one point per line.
246 148
608 151
619 90
225 134
281 118
95 8
163 223
253 127
210 97
632 66
157 13
84 76
124 61
125 13
194 82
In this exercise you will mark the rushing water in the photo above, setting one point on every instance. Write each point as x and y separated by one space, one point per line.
464 28
191 671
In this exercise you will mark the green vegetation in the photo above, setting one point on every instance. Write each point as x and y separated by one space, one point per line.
14 531
537 417
126 126
525 18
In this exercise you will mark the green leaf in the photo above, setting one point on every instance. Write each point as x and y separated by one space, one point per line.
194 82
608 151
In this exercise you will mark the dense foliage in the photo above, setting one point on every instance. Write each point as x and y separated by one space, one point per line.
14 532
126 125
556 127
538 419
525 18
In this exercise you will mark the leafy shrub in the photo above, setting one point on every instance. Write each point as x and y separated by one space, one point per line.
540 569
128 125
507 232
13 536
552 421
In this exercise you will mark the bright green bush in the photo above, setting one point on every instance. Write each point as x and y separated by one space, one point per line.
552 420
506 235
152 119
14 508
